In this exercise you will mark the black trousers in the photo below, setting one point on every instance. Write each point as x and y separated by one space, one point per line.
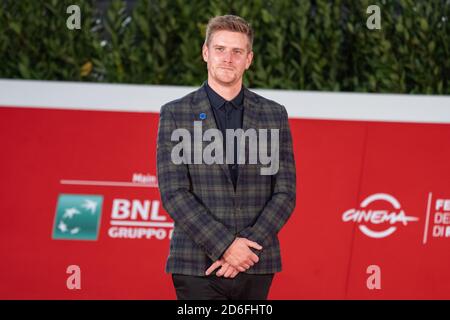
242 287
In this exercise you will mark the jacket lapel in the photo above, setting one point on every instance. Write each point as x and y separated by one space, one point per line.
250 121
200 104
251 114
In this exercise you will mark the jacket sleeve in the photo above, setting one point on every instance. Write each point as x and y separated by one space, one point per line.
279 208
177 199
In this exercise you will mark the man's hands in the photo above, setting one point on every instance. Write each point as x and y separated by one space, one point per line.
237 258
239 255
226 269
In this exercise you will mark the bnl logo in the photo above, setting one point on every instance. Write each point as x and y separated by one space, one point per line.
77 217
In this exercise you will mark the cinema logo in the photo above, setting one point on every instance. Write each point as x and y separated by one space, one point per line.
378 223
136 219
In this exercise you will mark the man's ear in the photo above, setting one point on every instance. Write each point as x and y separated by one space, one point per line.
205 52
249 60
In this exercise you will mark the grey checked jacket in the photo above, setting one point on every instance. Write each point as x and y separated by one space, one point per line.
208 213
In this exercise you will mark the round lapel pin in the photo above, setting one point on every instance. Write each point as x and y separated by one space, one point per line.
202 116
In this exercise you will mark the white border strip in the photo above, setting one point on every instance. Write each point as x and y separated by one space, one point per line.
425 233
142 224
299 104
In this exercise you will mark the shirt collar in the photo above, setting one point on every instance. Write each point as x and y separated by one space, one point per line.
217 100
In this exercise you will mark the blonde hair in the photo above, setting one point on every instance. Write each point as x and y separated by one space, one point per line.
230 23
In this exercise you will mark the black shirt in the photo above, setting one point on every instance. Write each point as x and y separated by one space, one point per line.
228 115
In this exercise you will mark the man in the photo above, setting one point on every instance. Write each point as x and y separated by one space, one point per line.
227 214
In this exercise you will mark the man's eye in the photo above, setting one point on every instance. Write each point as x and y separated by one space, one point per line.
219 49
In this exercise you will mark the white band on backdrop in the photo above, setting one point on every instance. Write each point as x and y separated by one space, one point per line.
299 104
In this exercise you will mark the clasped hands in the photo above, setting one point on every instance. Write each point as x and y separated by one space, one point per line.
237 258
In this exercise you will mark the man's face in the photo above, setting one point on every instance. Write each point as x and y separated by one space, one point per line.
227 57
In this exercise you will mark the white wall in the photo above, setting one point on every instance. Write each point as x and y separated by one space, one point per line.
299 104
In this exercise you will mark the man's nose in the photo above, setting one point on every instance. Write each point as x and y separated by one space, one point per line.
227 56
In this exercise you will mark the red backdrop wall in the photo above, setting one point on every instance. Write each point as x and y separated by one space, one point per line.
339 165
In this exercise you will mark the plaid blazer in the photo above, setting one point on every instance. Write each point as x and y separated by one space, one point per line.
208 213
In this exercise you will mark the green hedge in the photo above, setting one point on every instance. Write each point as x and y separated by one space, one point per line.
299 44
